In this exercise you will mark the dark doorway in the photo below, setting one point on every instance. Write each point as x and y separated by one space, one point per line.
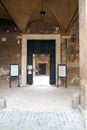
41 47
42 69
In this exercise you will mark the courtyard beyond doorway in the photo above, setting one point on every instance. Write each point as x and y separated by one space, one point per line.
41 80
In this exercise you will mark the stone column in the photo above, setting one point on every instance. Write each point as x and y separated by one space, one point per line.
83 56
83 46
57 57
24 62
83 38
83 100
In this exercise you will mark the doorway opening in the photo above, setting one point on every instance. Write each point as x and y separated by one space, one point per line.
41 48
41 69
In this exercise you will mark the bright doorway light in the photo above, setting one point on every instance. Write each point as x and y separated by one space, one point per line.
41 69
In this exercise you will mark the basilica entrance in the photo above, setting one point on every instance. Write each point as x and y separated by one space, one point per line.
41 47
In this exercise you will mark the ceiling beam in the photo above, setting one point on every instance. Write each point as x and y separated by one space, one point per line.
71 21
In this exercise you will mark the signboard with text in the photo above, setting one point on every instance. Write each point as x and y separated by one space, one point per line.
14 70
62 70
14 73
62 73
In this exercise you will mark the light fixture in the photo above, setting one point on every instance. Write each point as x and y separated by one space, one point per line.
42 12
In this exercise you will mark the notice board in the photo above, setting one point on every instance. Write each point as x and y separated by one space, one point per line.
62 70
62 73
14 70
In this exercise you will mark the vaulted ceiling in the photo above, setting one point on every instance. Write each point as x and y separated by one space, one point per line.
23 12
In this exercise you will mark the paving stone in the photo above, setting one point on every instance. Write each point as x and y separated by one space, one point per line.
2 102
24 120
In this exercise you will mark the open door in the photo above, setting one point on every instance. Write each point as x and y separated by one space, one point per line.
41 47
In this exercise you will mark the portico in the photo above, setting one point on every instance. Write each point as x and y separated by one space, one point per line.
59 24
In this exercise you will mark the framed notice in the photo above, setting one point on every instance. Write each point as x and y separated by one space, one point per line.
62 70
29 72
14 70
14 73
29 67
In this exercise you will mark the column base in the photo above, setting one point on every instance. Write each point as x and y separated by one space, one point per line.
84 115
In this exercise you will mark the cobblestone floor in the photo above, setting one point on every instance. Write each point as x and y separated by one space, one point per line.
39 107
25 120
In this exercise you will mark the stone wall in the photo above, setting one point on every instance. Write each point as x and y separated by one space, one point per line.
10 51
83 96
73 78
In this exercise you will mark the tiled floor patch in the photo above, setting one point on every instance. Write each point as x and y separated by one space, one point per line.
24 120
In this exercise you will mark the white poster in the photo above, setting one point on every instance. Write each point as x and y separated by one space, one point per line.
29 72
62 71
14 70
29 67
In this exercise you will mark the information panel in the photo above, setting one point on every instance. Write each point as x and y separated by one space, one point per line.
14 70
62 70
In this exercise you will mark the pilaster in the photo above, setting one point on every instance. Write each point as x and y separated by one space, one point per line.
83 57
24 62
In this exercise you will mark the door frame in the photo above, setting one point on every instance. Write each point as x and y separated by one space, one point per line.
26 37
41 47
